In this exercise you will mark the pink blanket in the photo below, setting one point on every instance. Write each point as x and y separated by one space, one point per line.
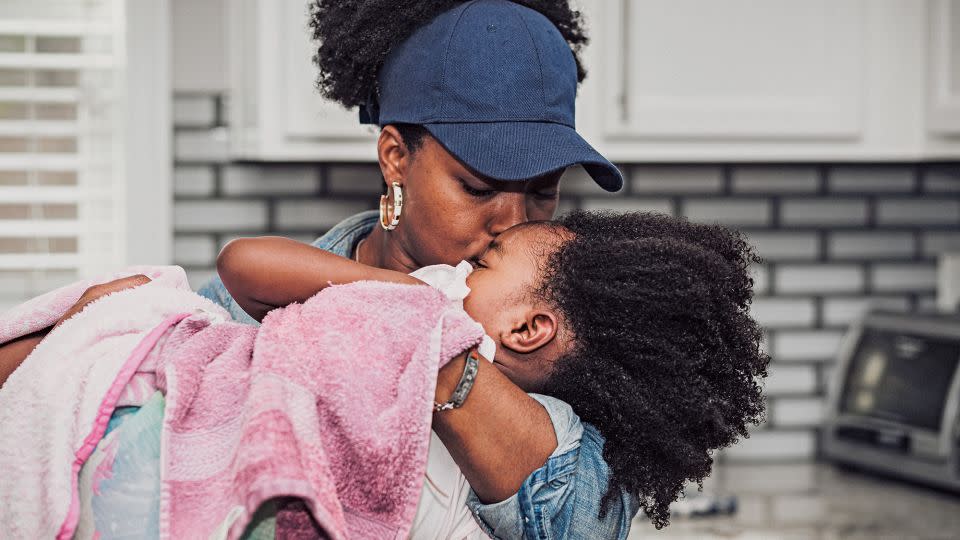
328 401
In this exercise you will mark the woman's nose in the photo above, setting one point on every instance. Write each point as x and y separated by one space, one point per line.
511 211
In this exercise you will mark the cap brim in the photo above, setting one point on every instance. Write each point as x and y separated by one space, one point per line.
522 150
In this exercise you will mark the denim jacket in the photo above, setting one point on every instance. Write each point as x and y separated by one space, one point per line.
560 499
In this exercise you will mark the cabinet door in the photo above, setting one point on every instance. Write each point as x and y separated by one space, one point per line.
943 105
738 69
276 111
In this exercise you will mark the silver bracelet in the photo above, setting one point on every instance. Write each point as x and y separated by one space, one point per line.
463 387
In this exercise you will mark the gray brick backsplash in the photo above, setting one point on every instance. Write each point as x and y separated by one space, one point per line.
791 379
786 246
927 303
315 214
942 179
306 238
198 277
904 277
194 111
270 180
774 445
194 250
193 181
818 345
796 412
918 212
565 206
676 179
359 178
732 212
871 179
935 243
576 181
835 239
219 216
776 179
774 312
761 278
210 145
662 206
822 279
821 212
843 311
865 245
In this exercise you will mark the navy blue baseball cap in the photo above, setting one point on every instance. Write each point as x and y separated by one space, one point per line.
494 82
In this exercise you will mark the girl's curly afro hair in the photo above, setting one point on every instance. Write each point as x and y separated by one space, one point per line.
666 360
354 37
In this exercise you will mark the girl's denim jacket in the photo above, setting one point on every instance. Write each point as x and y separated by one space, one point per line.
560 499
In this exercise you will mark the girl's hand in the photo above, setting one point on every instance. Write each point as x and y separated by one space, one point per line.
98 291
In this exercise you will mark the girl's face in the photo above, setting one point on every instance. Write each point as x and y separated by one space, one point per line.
452 214
503 300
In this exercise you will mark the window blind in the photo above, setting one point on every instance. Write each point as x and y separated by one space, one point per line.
61 143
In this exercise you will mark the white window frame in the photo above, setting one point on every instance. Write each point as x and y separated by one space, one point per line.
148 201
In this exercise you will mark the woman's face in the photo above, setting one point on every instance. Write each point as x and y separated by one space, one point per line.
451 214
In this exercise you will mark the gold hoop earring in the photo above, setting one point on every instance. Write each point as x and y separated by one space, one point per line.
392 201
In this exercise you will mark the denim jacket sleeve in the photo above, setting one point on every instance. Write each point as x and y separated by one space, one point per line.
562 498
216 291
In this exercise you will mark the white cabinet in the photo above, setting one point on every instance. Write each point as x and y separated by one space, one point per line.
733 69
943 105
670 80
275 111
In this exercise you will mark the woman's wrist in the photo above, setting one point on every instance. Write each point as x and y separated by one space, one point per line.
449 376
464 385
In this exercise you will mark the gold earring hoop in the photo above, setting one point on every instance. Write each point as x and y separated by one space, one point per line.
391 205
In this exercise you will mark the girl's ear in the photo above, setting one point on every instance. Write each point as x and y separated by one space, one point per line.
532 332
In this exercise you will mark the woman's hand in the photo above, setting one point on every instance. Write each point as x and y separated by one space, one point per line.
98 291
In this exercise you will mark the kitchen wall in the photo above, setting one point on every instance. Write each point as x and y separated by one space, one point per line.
834 237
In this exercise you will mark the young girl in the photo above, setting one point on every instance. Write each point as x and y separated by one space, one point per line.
638 321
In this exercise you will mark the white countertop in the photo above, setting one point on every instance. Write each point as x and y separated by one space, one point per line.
815 501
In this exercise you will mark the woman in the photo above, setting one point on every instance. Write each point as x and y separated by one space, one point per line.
475 101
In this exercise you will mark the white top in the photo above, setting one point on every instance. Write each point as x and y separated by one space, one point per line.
442 513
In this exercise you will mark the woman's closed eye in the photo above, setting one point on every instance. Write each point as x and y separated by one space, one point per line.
475 191
546 194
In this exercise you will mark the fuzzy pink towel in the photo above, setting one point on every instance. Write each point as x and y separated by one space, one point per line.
329 401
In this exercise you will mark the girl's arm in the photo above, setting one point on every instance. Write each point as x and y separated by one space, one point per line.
270 271
13 353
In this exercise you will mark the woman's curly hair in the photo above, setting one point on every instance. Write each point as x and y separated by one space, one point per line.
354 37
666 360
